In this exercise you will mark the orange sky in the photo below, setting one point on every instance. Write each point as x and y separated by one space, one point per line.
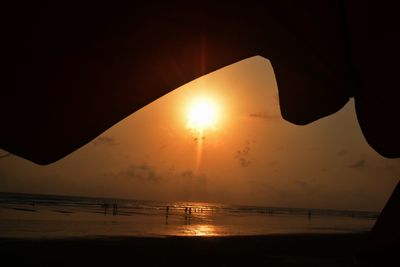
251 157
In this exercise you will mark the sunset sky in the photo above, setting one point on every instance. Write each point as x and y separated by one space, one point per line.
249 154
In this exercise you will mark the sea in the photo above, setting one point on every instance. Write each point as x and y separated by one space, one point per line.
53 216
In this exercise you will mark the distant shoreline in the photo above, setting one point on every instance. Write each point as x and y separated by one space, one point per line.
99 200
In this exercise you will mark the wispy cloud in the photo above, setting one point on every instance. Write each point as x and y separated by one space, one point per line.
358 164
105 140
243 155
142 172
187 174
193 176
265 115
302 183
272 163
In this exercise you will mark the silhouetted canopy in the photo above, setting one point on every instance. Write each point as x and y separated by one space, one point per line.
72 70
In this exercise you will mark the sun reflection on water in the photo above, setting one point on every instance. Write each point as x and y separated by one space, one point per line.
201 230
205 230
198 219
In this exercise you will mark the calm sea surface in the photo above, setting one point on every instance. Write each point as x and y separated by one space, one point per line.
28 215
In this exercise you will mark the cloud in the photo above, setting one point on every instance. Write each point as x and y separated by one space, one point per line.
264 115
302 183
190 175
143 172
358 164
187 174
105 140
272 163
243 155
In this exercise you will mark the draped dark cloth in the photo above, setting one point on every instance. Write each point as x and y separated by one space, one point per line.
71 70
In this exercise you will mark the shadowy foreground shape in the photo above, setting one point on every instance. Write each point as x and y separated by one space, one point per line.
383 243
275 250
71 70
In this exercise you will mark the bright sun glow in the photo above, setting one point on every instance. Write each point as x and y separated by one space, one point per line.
202 115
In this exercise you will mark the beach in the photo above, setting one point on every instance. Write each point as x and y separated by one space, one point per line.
43 230
44 216
272 250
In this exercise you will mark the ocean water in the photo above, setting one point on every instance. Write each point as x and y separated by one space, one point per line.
32 215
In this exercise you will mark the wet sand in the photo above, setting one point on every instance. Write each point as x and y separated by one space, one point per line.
272 250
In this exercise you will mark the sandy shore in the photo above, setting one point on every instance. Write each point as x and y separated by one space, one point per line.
273 250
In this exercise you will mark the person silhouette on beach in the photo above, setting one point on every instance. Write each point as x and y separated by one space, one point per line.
105 207
166 214
115 208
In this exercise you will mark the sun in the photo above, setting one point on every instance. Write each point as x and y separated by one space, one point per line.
202 115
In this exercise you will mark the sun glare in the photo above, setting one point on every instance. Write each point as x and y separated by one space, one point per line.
202 115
